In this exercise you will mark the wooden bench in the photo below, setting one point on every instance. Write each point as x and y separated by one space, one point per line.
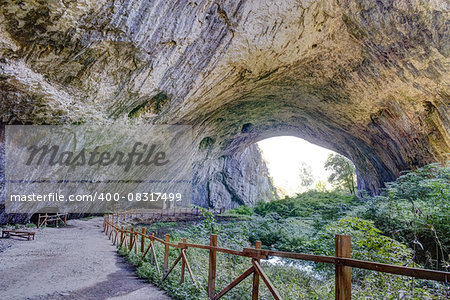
23 234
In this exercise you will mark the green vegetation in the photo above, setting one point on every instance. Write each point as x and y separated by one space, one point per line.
209 224
158 225
328 205
415 210
407 225
343 173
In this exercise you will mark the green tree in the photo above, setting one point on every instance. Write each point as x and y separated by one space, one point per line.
415 209
321 186
343 173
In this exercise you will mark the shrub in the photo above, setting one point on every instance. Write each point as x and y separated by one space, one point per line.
327 206
242 210
415 209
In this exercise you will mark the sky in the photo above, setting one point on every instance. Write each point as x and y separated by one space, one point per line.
284 155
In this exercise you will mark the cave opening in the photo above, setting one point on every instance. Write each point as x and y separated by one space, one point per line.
296 166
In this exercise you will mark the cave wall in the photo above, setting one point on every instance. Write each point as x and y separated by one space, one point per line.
367 79
230 181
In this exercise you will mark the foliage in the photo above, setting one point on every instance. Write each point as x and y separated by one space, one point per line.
392 228
328 206
343 173
415 209
321 186
209 222
267 230
241 210
293 279
158 225
368 242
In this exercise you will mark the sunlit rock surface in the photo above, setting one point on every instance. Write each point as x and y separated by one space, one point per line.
368 79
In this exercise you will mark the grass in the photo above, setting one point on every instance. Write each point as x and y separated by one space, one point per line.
158 225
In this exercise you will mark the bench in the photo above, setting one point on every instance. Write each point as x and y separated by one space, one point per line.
23 234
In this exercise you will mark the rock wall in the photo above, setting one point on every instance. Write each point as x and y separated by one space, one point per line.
240 178
368 79
230 181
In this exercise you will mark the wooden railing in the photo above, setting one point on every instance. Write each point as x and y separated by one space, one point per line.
129 238
160 213
44 219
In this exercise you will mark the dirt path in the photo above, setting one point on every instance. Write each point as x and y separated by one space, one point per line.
74 262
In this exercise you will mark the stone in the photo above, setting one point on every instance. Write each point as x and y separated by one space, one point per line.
367 79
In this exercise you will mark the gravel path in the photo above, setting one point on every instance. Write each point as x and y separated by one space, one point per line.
74 262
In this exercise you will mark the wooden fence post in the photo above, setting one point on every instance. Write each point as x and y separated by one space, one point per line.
121 236
166 253
109 226
131 239
183 265
143 240
151 241
212 267
343 274
135 240
255 291
39 222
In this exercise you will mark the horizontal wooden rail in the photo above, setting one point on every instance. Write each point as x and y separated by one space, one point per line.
361 264
341 260
51 218
393 269
164 212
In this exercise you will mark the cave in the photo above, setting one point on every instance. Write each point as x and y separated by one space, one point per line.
366 79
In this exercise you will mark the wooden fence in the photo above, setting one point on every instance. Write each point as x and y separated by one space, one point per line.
130 238
160 213
44 219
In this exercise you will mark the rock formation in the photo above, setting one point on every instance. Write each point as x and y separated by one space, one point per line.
368 79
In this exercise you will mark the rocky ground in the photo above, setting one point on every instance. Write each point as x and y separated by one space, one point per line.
73 262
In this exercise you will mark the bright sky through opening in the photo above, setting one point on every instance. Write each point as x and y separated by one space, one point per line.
284 156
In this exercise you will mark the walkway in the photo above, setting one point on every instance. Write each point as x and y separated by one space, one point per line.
73 262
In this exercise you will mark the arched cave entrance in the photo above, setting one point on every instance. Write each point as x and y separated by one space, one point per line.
296 166
366 81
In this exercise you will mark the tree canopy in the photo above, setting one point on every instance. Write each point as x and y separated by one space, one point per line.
343 173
